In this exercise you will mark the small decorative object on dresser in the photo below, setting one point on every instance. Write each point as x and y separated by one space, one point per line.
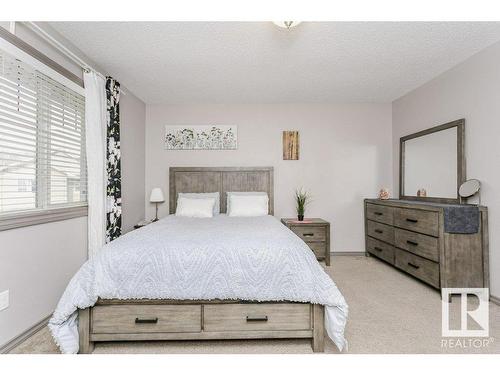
444 245
156 197
301 199
421 193
383 193
315 233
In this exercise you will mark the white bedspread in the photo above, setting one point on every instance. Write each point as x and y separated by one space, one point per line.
218 258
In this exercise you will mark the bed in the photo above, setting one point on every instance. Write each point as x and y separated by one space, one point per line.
203 279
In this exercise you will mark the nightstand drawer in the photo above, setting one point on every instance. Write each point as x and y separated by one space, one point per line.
310 233
318 248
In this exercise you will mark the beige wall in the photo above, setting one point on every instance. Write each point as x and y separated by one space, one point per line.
345 155
132 132
37 262
471 90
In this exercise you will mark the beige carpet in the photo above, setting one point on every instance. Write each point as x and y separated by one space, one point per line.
390 312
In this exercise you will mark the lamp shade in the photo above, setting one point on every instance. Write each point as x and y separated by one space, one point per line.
286 24
156 196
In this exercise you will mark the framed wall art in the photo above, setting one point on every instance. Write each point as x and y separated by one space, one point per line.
201 137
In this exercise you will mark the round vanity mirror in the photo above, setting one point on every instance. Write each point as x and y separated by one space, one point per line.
469 188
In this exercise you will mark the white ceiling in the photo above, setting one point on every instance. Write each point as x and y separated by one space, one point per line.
228 62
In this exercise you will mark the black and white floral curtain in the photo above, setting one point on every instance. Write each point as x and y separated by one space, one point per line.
113 162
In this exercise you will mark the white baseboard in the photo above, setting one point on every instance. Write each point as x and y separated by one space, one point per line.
348 253
495 300
24 336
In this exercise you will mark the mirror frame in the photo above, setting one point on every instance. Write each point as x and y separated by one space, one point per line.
461 170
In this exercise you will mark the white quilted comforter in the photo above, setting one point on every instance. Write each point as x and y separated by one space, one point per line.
219 258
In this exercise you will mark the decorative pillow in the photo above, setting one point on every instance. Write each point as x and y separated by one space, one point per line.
195 207
202 196
252 193
248 205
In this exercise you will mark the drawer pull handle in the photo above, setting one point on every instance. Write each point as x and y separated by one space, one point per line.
379 231
377 248
308 234
412 243
257 318
146 321
413 265
378 213
412 220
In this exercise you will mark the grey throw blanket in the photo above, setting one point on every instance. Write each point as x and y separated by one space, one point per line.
461 219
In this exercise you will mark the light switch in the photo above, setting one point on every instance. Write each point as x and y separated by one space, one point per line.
4 300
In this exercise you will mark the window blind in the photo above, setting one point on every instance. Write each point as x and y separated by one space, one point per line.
42 140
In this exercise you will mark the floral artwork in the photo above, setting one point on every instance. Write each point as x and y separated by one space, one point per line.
201 137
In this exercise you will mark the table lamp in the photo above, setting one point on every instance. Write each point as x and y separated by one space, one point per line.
156 197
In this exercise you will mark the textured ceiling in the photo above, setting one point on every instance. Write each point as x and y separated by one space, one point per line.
229 62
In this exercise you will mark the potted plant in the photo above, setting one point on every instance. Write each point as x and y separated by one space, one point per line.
301 199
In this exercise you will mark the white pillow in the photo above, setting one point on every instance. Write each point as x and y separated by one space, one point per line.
204 195
230 193
195 207
248 205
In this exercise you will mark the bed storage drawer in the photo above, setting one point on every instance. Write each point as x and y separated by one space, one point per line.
380 231
257 317
423 269
416 243
382 214
380 249
146 318
417 220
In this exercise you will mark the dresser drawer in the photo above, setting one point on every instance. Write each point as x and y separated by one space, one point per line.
318 248
380 249
417 220
423 269
380 231
146 318
310 233
416 243
257 317
382 214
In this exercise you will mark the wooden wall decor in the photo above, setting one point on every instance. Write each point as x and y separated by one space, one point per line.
290 145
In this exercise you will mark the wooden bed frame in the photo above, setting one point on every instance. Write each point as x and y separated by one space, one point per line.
145 320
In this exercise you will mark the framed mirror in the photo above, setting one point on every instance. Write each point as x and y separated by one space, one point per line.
432 163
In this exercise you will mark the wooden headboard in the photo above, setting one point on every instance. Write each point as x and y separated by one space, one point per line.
221 179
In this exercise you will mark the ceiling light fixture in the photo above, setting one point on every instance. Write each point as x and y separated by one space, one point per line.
286 24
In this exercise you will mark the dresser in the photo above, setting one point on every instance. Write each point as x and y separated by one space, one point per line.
315 233
411 237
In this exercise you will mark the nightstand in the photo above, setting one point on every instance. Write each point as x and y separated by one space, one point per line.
315 233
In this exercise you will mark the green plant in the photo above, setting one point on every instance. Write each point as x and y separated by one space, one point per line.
302 198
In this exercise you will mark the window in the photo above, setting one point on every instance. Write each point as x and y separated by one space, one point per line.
42 140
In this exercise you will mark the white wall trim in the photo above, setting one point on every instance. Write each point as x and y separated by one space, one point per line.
495 300
348 253
35 217
12 49
18 340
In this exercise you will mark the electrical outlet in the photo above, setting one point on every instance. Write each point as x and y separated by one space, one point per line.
4 300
